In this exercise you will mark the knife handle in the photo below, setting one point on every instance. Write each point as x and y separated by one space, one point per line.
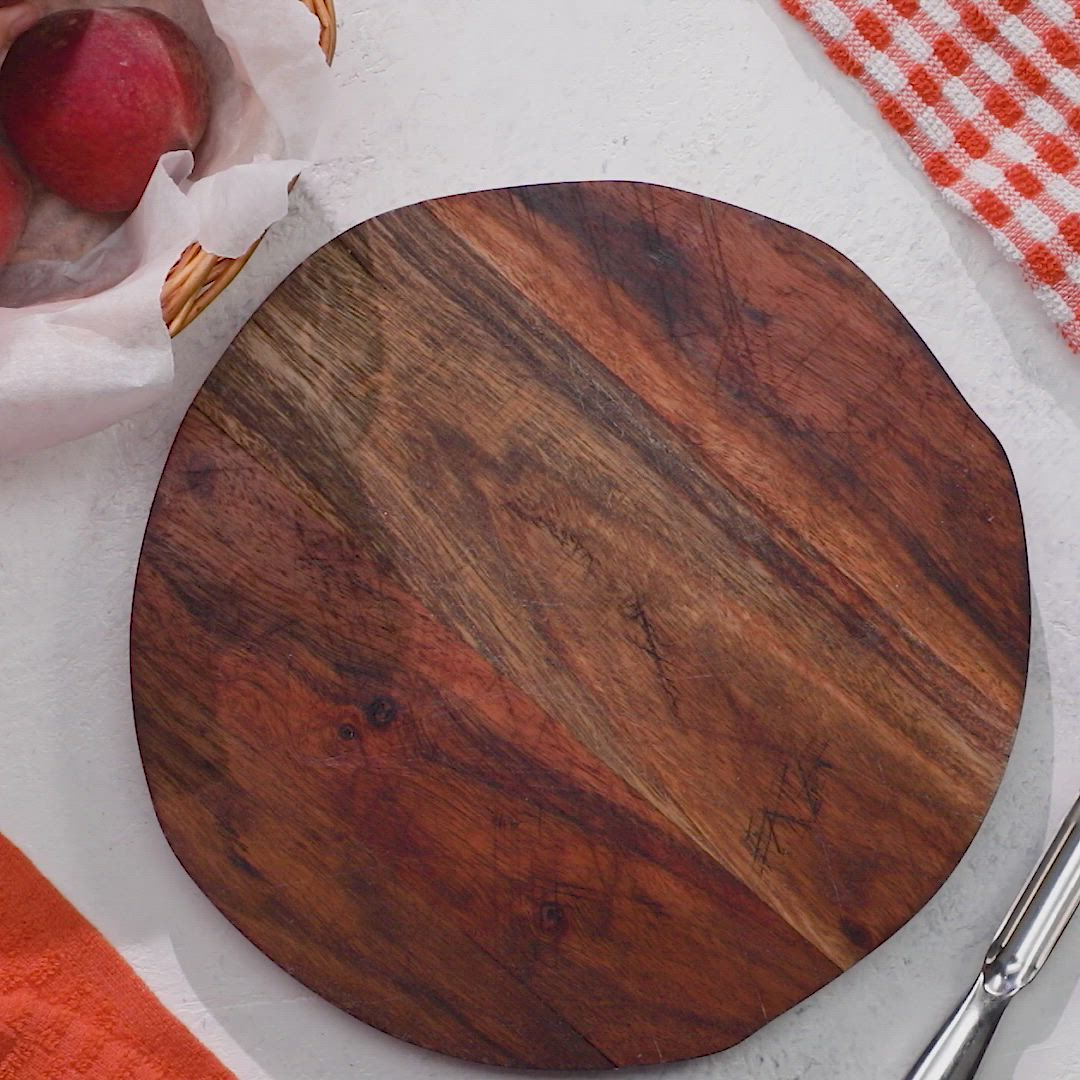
1021 948
958 1048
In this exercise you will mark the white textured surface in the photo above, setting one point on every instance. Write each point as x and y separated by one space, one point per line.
723 97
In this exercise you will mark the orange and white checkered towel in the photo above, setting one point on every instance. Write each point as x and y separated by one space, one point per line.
987 95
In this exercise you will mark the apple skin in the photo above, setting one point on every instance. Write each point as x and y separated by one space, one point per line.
91 98
14 204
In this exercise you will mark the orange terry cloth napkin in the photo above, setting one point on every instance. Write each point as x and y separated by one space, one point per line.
70 1006
987 95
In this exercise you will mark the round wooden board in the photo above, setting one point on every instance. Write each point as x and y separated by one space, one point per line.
577 623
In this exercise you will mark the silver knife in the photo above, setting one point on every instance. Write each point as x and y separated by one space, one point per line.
1025 940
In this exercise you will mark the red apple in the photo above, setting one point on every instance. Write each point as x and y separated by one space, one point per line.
14 203
90 99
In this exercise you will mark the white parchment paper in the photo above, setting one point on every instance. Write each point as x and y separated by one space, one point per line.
82 341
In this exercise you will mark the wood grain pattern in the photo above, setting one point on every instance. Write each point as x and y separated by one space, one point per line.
577 623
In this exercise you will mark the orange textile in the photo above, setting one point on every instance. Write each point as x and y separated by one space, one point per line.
70 1006
986 93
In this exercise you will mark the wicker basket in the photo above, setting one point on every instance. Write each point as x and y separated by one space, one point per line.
199 278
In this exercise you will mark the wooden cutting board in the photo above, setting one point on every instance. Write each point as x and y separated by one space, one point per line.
577 623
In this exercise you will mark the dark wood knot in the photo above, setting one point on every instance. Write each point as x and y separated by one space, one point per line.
382 712
551 920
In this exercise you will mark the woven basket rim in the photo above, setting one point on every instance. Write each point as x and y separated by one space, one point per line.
199 277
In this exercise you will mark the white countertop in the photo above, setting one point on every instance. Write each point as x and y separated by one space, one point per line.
724 97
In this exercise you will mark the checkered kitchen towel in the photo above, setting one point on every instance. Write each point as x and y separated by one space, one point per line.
987 95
